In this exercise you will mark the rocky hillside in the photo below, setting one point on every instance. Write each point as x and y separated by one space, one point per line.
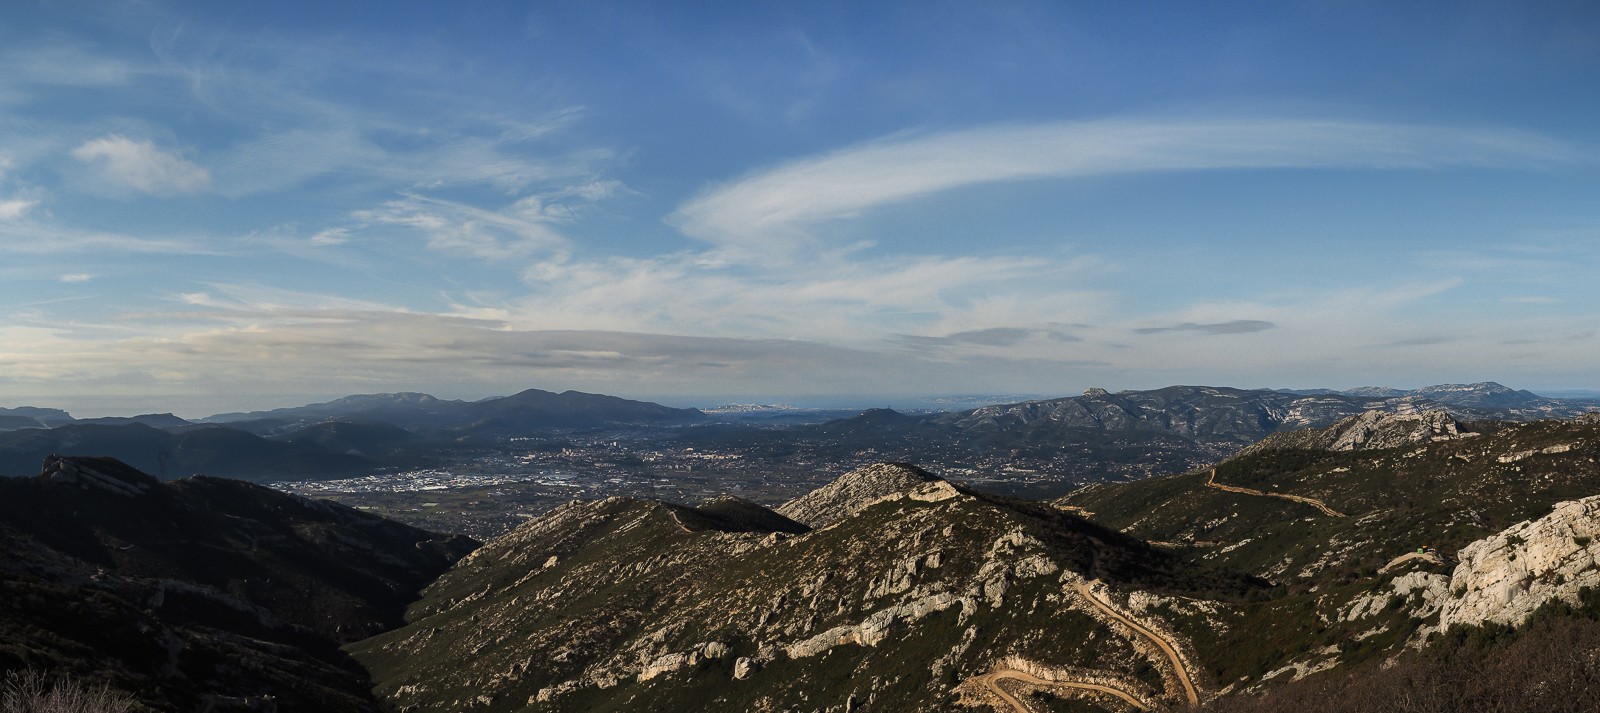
915 596
202 593
1326 553
1371 550
1372 430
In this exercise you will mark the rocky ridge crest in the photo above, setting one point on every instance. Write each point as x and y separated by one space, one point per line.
852 492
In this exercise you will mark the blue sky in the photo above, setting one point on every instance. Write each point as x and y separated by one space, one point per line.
212 206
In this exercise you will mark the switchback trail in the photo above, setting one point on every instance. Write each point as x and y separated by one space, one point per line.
1313 502
1190 691
992 682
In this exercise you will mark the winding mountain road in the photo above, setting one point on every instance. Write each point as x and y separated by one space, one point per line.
1313 502
1190 691
992 682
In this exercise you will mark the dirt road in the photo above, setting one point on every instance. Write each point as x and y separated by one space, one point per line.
1430 556
1190 691
1313 502
992 682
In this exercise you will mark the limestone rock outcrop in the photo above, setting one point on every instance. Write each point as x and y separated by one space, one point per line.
1505 577
1371 430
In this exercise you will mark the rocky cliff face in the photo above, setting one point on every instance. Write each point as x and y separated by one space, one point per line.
1505 577
1500 579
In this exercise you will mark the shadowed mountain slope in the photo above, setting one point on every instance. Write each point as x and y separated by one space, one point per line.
202 592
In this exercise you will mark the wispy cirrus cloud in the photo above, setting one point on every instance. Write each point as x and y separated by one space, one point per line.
777 208
27 236
526 227
321 124
857 300
1235 326
61 61
992 337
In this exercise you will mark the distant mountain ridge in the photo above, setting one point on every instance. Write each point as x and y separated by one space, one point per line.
32 417
213 450
533 408
1126 435
1251 414
354 435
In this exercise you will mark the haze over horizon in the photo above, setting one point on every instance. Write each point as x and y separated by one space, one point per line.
262 206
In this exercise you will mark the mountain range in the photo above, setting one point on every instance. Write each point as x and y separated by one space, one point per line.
1301 564
351 436
1382 562
1094 437
1103 436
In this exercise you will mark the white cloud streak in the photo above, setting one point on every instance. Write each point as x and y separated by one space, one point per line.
142 166
30 237
777 208
13 208
65 62
857 301
323 344
524 228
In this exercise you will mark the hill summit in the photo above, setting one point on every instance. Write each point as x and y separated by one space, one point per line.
853 491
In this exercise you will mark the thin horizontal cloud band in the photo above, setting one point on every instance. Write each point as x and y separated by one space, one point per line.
851 181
